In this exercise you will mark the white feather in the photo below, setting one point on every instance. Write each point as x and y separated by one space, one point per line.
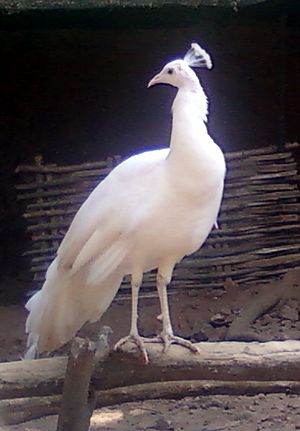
155 207
63 306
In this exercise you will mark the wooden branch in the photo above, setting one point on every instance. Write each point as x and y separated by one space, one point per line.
217 360
15 411
54 169
94 176
55 192
51 212
77 402
292 145
270 149
24 409
184 388
59 202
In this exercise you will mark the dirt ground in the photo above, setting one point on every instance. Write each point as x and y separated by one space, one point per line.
202 315
212 413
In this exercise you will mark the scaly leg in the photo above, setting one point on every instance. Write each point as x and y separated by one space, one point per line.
167 336
136 281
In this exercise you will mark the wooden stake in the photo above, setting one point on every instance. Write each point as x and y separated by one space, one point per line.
78 400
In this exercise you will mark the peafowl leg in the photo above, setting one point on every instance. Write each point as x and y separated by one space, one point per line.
134 336
167 336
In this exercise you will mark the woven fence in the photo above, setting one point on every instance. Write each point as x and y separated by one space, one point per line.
258 238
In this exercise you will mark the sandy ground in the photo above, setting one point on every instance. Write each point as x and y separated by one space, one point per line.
201 315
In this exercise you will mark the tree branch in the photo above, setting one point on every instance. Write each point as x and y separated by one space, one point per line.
216 361
23 409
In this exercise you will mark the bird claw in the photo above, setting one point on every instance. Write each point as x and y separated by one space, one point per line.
138 341
168 339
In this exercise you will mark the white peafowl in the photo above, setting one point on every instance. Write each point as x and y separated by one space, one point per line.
149 212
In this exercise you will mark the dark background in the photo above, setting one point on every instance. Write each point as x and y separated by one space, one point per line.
73 88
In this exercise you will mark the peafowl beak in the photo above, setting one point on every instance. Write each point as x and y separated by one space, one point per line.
156 80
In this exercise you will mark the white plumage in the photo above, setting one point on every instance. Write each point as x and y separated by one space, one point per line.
150 211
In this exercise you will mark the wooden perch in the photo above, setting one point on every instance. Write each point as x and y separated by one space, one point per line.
31 389
233 361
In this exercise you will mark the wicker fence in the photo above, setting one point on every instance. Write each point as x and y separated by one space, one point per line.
258 237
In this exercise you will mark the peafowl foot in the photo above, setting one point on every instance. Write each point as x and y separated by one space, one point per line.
168 338
138 341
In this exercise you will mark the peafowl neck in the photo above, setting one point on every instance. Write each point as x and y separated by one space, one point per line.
190 102
189 132
192 151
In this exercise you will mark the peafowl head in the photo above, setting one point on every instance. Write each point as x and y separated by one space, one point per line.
179 73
